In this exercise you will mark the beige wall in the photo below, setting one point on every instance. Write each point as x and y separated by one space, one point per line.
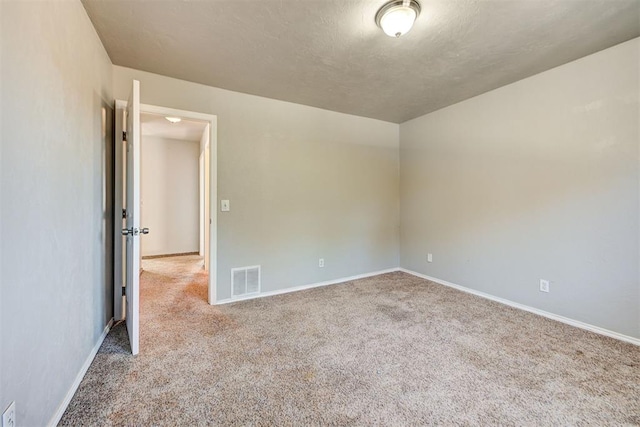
169 195
303 184
55 298
535 180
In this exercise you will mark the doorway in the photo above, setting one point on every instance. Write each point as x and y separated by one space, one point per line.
206 195
174 187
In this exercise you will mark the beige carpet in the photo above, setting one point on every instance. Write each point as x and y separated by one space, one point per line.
388 350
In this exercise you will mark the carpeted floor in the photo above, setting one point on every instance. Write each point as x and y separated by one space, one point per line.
388 350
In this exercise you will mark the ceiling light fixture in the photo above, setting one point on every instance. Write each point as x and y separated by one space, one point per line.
174 119
397 17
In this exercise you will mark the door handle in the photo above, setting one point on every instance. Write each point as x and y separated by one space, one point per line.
134 231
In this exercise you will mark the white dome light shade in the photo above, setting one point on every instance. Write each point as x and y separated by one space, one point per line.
397 17
174 119
398 21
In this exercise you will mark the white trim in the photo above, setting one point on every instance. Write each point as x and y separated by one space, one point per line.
118 192
74 387
566 320
303 287
213 179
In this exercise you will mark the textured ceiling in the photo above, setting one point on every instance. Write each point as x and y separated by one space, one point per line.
330 54
186 130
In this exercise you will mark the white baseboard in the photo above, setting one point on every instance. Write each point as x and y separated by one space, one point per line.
303 287
568 321
74 387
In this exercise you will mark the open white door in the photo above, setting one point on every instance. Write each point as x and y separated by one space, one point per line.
132 230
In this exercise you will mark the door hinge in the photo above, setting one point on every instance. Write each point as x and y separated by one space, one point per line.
124 135
124 214
124 291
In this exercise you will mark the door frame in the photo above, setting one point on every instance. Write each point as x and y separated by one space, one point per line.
120 106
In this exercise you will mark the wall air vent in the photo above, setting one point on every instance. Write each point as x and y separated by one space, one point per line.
245 281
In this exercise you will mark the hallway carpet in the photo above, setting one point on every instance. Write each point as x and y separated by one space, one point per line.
387 350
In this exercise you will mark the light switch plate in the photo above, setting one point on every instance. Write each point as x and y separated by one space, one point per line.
544 285
224 205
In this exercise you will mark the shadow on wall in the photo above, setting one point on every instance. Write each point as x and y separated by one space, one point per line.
536 180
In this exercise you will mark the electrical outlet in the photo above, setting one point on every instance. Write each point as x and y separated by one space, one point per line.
429 257
321 262
9 416
544 285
